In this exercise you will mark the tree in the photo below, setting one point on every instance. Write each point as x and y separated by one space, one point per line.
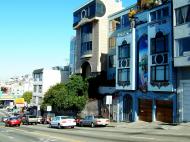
27 96
71 96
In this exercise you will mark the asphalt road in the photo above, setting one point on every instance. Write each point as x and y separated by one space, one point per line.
41 133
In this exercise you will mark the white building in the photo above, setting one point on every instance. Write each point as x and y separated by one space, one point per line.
90 23
181 10
44 79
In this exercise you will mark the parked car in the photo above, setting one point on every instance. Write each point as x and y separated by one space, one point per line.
29 119
3 119
13 121
39 119
78 120
93 121
62 121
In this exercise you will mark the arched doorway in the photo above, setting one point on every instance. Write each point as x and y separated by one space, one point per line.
127 108
86 69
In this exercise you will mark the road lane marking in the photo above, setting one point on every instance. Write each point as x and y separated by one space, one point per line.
47 135
10 137
138 137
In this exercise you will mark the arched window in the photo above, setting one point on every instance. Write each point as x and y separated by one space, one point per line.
159 44
159 51
124 50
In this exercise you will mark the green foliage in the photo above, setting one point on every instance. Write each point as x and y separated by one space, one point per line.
27 96
70 96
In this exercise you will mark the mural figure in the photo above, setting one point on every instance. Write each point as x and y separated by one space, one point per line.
143 63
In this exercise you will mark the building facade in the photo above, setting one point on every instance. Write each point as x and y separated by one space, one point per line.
44 79
145 76
90 23
72 55
181 10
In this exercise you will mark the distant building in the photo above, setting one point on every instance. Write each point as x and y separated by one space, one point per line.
46 78
16 86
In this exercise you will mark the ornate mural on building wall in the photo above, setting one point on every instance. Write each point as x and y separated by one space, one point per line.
143 63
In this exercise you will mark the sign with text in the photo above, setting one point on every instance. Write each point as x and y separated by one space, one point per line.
49 108
108 100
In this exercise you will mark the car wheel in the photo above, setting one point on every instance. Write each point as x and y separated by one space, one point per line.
59 126
50 126
18 125
72 127
81 125
92 125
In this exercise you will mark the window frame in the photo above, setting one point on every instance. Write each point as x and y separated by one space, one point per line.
155 73
127 81
187 18
165 40
124 45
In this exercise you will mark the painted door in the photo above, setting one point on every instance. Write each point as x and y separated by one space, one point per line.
127 108
186 102
164 111
145 110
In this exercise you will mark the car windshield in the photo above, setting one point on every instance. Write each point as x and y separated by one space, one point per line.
13 118
32 116
66 117
98 117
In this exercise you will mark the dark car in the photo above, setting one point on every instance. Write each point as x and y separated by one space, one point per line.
13 121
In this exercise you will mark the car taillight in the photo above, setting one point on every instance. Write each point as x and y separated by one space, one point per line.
74 121
107 121
98 121
64 121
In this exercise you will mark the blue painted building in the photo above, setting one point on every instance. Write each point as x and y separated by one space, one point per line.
145 76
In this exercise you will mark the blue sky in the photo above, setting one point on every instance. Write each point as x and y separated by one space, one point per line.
36 34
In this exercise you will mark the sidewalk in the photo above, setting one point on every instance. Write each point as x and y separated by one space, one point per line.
148 125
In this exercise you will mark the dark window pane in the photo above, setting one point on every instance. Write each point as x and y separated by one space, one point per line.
165 11
153 60
92 10
153 73
166 58
188 14
128 74
159 14
153 50
125 21
179 17
183 46
153 16
160 47
167 42
167 73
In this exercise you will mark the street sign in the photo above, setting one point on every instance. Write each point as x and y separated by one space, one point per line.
108 100
49 108
39 107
